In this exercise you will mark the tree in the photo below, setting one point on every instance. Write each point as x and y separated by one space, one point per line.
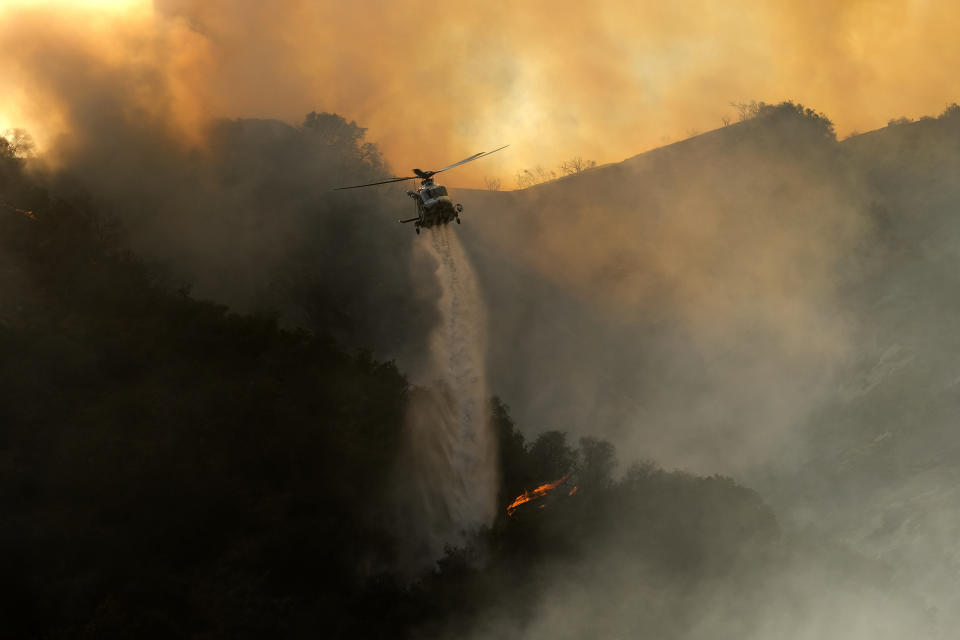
333 129
551 457
537 175
493 184
597 461
785 112
16 143
747 110
514 468
576 165
950 113
344 137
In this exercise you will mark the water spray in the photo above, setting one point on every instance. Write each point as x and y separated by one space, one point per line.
452 455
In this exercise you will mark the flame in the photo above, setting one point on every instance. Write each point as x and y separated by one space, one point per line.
25 212
534 494
573 491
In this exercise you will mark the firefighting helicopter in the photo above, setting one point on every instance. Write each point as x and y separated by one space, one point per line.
434 206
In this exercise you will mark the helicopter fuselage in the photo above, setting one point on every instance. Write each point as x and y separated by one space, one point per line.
434 206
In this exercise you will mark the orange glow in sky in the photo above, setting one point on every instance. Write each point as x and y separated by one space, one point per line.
111 5
435 83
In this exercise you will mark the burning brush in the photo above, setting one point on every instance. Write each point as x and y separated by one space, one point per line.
25 212
537 494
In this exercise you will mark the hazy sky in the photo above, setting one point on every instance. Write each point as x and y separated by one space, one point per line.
437 82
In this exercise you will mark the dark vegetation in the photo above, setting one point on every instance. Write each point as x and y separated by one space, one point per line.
250 221
174 469
169 468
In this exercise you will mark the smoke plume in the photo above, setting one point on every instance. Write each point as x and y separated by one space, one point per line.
436 84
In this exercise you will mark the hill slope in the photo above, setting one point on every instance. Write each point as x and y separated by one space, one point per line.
761 300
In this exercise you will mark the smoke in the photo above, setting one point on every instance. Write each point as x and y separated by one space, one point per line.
610 596
762 304
699 300
435 85
451 461
686 304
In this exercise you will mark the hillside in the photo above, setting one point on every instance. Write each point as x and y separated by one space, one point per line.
174 468
761 300
711 273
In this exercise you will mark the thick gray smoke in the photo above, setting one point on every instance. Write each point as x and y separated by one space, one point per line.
686 304
452 457
764 302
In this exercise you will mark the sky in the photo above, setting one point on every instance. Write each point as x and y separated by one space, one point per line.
435 83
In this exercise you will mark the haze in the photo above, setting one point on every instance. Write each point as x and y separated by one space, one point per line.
435 84
699 384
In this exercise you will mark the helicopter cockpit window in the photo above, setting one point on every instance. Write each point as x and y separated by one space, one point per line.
436 192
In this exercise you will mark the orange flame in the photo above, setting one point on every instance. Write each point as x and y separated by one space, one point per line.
534 494
29 214
573 491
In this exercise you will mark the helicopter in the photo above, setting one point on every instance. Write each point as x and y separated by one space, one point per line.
434 206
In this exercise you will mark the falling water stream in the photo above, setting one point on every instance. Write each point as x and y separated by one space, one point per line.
453 470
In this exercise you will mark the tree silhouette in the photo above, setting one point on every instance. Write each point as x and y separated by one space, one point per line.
576 165
16 143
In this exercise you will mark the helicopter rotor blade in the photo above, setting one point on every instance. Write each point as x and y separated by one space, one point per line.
475 156
373 184
426 174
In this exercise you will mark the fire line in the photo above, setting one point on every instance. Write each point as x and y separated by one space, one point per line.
535 494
